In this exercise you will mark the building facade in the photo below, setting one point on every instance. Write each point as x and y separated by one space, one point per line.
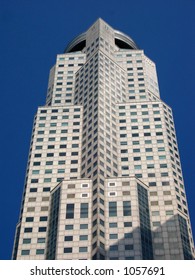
103 178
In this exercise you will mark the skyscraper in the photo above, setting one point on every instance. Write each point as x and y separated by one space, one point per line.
103 178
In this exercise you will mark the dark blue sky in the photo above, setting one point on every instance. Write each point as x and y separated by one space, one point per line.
32 33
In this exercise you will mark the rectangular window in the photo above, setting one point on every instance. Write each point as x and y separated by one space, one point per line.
68 238
114 248
67 250
83 226
29 219
112 209
33 181
112 225
41 240
127 224
40 251
42 229
129 247
82 249
84 210
70 211
128 235
28 229
26 241
25 252
126 208
113 236
69 227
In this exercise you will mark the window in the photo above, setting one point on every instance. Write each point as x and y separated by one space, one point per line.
112 225
129 247
137 158
61 170
114 248
69 227
62 154
29 219
50 154
70 211
68 238
83 237
169 212
83 226
85 185
112 209
42 229
26 241
127 224
164 174
162 157
33 181
128 235
25 252
150 166
82 249
126 208
28 230
73 170
35 172
48 171
67 250
33 190
47 180
40 251
84 210
113 236
41 240
149 157
148 150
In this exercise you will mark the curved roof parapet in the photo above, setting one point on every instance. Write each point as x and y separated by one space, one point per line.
122 41
77 44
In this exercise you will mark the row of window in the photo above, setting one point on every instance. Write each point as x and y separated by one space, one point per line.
44 111
113 208
70 207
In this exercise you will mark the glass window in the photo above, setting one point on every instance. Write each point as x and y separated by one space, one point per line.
112 209
41 240
69 227
113 225
129 247
26 240
70 211
68 238
114 248
126 208
28 229
40 251
113 236
25 252
84 210
127 224
67 250
82 249
42 229
83 237
83 226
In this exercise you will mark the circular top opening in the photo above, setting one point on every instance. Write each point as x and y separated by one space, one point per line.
122 41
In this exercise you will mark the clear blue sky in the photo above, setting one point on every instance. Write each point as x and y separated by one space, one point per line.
32 33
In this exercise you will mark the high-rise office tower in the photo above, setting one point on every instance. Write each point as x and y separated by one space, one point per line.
103 179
